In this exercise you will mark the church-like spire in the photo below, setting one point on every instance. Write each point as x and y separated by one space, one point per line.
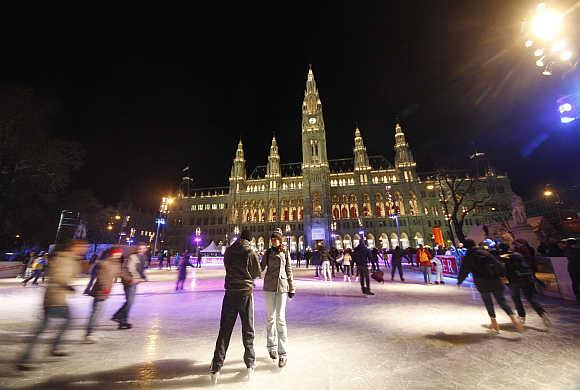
404 161
313 131
312 104
238 171
361 158
273 167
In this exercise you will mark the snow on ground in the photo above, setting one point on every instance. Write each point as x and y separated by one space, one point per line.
408 336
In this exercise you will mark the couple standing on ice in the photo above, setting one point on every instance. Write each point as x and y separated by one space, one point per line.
242 267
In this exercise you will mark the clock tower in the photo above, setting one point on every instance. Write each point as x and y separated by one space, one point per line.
315 170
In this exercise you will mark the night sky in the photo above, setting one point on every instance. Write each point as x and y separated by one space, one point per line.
148 89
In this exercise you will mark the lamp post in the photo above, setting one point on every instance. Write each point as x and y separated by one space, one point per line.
333 232
288 230
160 221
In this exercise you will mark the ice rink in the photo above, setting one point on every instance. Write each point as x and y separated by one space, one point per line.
408 336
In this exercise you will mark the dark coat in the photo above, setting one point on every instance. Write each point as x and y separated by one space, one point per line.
473 263
242 267
361 255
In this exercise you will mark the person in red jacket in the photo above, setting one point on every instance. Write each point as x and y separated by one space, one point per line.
423 258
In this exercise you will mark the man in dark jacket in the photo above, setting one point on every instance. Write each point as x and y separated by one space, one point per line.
242 267
572 252
521 280
397 263
375 259
362 256
487 272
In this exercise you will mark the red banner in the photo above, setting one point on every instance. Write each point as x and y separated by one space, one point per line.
438 234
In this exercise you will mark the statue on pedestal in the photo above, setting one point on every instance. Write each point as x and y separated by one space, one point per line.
518 211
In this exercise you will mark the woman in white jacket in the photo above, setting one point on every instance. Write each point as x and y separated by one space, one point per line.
278 287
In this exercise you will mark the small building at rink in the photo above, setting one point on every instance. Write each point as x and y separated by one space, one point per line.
338 201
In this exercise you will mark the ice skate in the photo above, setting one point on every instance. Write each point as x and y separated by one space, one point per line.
547 322
250 373
213 378
494 326
518 325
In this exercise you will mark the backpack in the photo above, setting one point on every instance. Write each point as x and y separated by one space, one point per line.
490 268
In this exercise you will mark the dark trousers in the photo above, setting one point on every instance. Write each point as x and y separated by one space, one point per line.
123 313
575 277
375 265
529 292
365 281
50 312
179 285
198 263
499 298
233 305
35 274
347 270
397 265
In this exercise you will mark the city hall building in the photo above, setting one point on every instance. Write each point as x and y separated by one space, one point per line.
338 201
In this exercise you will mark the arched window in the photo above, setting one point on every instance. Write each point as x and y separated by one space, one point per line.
404 240
413 204
384 241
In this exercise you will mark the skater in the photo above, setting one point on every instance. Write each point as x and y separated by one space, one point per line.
182 271
242 267
198 258
93 272
317 261
347 264
38 266
486 271
64 268
278 287
160 259
438 270
132 273
298 258
362 256
375 259
423 258
308 257
572 252
521 280
326 259
107 269
397 263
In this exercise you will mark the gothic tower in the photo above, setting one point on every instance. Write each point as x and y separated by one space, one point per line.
315 170
237 181
404 162
362 166
273 167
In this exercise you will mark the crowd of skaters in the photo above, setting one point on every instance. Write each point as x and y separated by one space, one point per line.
492 268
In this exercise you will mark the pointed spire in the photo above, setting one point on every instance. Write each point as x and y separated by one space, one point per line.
274 147
273 167
361 158
398 129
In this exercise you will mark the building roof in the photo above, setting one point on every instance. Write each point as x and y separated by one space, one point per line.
336 166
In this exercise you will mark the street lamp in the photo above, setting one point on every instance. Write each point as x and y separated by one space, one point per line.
288 237
159 221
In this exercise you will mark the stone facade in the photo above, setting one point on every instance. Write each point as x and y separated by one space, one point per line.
332 200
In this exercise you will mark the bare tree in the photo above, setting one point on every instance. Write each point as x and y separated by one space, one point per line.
462 195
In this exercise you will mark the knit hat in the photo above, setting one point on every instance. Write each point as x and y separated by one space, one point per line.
277 234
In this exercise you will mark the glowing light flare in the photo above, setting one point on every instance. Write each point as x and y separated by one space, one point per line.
548 193
540 62
529 43
558 46
539 52
567 119
547 24
565 108
566 55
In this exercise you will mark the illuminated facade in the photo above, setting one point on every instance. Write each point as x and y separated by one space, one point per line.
332 200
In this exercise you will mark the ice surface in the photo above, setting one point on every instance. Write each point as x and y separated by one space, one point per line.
408 336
